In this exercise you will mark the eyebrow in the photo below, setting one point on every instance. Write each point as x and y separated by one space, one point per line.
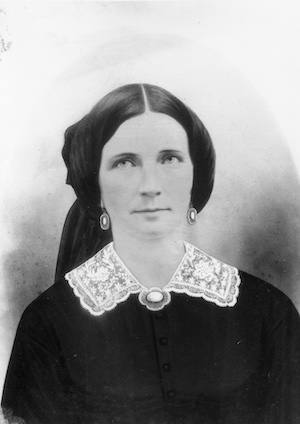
134 155
171 151
125 154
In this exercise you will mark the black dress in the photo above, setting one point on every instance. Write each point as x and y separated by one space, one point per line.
225 350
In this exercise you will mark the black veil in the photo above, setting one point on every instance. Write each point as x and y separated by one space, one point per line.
81 239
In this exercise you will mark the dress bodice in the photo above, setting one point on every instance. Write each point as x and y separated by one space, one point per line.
191 361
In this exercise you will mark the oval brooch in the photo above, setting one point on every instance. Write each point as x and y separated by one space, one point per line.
155 298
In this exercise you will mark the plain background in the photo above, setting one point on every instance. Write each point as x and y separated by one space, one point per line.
235 63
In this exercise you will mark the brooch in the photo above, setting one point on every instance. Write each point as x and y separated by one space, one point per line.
155 298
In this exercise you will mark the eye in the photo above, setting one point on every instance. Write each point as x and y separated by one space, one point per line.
123 164
170 160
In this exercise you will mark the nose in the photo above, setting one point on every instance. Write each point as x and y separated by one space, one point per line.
150 182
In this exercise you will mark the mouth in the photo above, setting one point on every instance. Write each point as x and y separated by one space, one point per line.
151 210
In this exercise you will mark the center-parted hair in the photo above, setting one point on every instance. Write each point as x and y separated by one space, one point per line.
84 142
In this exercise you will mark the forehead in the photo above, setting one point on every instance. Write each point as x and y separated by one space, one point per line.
147 132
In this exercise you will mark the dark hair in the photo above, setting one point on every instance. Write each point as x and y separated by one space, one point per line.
84 141
82 150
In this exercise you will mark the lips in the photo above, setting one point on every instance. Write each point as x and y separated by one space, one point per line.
151 210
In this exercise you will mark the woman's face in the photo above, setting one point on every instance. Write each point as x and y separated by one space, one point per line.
146 177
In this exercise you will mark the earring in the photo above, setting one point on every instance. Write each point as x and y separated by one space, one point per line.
192 216
104 220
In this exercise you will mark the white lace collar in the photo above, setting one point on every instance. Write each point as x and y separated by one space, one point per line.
103 281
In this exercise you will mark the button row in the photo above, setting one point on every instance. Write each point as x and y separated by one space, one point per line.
166 367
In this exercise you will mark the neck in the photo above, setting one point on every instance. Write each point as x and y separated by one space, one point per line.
152 262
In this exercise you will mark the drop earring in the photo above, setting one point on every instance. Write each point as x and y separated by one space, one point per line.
104 220
192 215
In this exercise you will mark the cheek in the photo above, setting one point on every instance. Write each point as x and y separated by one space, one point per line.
115 193
183 185
180 191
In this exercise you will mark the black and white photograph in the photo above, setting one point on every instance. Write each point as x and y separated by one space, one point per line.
150 212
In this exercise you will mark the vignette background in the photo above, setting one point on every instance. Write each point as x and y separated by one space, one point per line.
236 63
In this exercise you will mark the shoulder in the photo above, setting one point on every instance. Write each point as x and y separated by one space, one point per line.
254 287
253 295
250 290
49 309
264 300
53 296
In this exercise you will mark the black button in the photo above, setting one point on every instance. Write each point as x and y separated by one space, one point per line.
166 367
171 394
159 316
163 341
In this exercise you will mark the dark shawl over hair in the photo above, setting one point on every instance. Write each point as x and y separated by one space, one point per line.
84 141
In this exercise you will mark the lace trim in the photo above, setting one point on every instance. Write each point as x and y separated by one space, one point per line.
104 281
203 276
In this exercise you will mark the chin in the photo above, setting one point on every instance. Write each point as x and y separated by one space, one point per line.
157 231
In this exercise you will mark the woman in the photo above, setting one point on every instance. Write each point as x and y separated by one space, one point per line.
147 328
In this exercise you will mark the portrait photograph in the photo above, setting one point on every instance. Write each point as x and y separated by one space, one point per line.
150 212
